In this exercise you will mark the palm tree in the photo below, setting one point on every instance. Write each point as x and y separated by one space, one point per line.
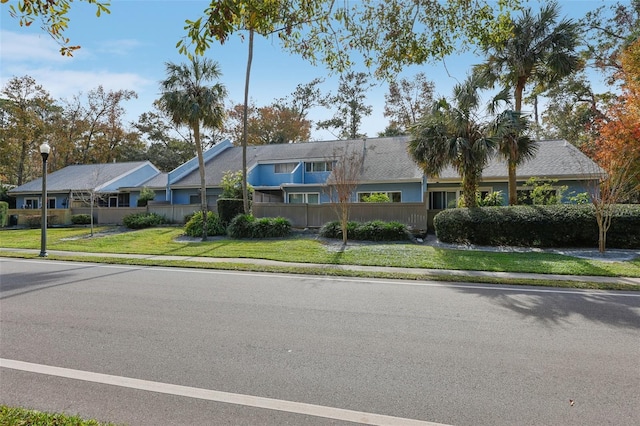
451 135
542 51
514 145
189 101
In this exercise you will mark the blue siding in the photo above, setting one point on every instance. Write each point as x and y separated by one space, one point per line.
411 191
181 196
315 177
265 175
133 179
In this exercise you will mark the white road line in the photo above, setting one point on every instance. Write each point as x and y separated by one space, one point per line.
217 396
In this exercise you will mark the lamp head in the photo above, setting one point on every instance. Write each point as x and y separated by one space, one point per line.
45 149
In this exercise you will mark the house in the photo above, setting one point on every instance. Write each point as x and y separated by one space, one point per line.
76 185
556 160
297 173
290 180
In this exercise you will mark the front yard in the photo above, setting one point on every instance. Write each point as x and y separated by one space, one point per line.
308 248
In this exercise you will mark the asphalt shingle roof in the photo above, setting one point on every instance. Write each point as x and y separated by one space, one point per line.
555 158
80 177
386 159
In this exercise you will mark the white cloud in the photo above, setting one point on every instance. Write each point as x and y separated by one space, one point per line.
19 47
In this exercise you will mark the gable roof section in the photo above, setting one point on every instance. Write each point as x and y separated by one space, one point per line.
84 177
386 159
554 159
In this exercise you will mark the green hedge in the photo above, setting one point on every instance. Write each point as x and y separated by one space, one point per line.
228 208
193 227
247 226
4 213
143 220
376 230
561 225
81 219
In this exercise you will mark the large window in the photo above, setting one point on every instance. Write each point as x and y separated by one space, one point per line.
284 167
302 197
394 196
440 200
318 166
31 203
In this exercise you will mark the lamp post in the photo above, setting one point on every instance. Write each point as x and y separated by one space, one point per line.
45 149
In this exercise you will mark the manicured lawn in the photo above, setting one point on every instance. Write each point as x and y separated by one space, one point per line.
20 416
309 249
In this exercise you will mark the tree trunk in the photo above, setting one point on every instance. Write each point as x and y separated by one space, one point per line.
203 184
245 136
513 189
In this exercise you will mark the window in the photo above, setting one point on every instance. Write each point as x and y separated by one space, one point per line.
51 203
301 197
31 203
284 167
194 199
394 196
318 166
440 200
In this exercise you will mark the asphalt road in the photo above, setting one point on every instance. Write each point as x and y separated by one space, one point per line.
112 342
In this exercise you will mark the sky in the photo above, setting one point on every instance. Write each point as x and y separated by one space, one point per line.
128 49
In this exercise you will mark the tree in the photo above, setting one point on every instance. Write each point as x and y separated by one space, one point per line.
268 125
27 112
347 163
617 149
225 17
53 17
542 50
514 145
190 102
303 98
397 33
451 134
407 101
348 104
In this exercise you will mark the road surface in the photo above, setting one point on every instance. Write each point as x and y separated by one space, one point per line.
149 346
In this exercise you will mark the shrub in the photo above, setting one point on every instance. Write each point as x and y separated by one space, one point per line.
81 219
228 208
143 220
231 184
246 226
193 227
4 213
146 195
371 231
560 225
376 197
240 226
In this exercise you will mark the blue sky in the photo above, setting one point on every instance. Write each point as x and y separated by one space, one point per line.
128 48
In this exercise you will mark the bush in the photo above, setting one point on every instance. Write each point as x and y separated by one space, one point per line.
81 219
146 195
4 213
371 231
143 220
246 226
228 208
559 225
240 226
193 227
376 197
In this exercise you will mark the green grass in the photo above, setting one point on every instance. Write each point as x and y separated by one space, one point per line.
308 249
12 416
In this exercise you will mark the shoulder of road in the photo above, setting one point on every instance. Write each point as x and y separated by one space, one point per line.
613 256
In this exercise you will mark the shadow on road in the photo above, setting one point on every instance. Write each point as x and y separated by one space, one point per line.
557 307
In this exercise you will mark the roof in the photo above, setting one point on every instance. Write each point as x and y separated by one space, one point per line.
81 177
386 159
554 159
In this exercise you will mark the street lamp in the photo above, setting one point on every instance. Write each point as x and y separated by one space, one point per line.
45 149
